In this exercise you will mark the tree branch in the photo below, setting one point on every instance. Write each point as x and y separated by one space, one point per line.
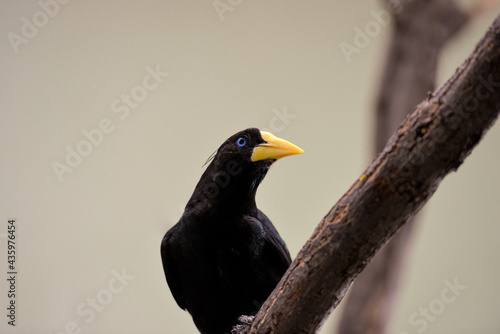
433 141
420 31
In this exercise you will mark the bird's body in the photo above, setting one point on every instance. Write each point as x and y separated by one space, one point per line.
224 257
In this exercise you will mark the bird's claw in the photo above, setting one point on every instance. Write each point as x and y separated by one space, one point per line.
244 326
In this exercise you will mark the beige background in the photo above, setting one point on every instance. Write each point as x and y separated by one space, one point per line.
264 58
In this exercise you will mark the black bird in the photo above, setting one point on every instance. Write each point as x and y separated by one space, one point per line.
224 257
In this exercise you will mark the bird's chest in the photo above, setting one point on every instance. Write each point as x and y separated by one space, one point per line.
239 242
224 251
236 247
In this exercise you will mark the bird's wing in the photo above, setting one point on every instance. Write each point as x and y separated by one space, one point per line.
170 267
275 248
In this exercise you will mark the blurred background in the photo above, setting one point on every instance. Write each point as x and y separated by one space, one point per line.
110 109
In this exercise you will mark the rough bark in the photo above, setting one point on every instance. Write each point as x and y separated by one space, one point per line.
420 30
432 142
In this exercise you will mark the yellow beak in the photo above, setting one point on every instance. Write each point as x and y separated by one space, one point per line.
274 148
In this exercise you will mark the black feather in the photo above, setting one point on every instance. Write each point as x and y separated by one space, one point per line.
224 257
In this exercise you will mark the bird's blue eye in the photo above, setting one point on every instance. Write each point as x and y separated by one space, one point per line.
241 142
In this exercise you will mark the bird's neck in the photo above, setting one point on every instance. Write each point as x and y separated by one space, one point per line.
226 193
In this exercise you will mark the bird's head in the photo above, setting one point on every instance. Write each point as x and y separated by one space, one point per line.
253 146
253 151
241 163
